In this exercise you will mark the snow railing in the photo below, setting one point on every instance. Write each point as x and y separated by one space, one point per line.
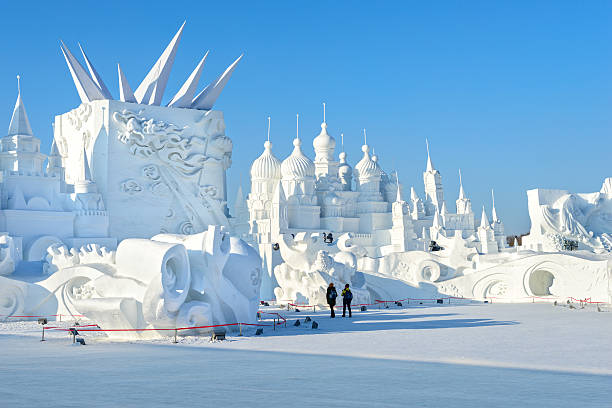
457 299
95 328
73 316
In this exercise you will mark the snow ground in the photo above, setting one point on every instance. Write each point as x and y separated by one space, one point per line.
501 355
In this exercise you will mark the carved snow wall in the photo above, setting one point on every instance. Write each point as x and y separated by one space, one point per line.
159 169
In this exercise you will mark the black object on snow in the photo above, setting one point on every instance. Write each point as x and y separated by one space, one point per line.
315 325
297 323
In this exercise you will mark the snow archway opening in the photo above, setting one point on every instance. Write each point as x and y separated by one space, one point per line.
540 282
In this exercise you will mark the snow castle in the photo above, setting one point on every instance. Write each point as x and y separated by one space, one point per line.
128 222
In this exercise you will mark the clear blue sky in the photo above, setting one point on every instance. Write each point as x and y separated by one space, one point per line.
518 93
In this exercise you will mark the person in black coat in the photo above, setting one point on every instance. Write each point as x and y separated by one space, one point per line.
331 298
347 298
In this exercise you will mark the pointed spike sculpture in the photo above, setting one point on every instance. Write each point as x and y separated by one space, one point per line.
86 87
151 89
207 98
125 91
95 76
184 96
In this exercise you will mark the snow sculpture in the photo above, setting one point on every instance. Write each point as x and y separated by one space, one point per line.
309 268
557 215
158 169
169 281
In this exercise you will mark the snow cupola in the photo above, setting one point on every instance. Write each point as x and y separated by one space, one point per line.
324 145
297 166
367 168
266 166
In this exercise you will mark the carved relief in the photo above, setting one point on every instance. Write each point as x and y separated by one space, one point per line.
131 187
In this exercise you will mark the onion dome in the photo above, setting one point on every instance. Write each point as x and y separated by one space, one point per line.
367 168
297 165
266 166
324 144
345 171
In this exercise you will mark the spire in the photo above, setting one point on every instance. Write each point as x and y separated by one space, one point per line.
125 91
209 95
430 166
342 140
54 150
413 194
398 197
461 192
484 222
20 125
493 212
268 128
185 95
151 89
86 169
95 76
86 87
437 223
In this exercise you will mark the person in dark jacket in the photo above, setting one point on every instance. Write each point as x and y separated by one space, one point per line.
331 298
347 297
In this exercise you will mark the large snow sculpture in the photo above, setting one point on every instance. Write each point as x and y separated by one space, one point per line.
310 266
557 215
169 281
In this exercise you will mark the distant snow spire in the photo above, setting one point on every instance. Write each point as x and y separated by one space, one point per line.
429 163
125 91
365 138
461 192
444 210
86 169
20 125
268 128
297 126
493 212
95 76
342 140
484 222
184 96
398 197
151 89
413 194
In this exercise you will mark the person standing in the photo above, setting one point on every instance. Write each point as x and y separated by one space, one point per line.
331 298
347 297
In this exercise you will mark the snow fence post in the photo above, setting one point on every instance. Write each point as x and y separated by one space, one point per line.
274 323
314 308
175 341
240 326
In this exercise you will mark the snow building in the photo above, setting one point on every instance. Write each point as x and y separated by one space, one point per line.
329 196
38 208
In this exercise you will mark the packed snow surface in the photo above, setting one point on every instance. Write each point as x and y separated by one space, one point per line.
501 355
